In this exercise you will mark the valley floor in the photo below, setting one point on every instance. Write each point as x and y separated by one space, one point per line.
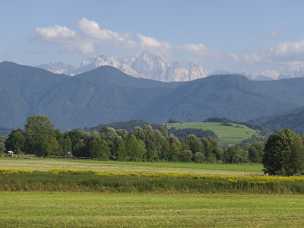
57 209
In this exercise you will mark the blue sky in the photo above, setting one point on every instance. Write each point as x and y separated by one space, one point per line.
234 35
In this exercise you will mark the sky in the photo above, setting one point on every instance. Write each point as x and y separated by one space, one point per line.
258 37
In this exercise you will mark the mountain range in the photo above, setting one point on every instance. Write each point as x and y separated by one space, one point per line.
106 94
152 66
145 65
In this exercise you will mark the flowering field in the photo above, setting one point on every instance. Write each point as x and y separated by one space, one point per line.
94 176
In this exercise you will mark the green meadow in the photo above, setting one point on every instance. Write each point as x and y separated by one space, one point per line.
231 133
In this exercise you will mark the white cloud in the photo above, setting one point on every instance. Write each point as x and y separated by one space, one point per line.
91 37
92 29
198 49
55 33
248 58
66 37
85 47
285 59
288 49
150 42
271 74
275 34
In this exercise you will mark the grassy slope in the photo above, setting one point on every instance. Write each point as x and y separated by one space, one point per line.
131 167
149 210
227 134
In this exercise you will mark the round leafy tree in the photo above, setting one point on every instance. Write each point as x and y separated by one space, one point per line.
284 154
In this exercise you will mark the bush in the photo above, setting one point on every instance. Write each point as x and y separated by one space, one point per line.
255 153
15 141
135 148
211 157
98 148
235 154
199 157
185 155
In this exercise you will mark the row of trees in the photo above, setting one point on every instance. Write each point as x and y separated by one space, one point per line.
283 153
142 144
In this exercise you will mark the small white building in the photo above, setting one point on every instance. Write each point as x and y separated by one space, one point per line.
10 153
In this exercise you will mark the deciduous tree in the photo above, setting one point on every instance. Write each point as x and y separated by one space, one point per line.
284 154
40 136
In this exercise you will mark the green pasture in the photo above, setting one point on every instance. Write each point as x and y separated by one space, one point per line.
231 133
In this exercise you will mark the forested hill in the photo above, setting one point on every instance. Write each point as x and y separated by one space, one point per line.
107 95
292 120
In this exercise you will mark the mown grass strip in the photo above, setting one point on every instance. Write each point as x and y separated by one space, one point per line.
93 209
80 181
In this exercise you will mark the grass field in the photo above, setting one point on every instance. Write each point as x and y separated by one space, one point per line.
227 134
34 209
85 193
115 167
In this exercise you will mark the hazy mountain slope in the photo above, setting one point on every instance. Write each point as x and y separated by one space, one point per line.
227 96
4 131
58 68
21 90
107 95
102 95
293 120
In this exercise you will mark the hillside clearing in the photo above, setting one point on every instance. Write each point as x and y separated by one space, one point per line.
230 133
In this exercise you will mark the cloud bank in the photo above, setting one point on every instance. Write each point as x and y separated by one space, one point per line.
90 38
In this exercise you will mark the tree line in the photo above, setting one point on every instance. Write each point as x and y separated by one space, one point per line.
282 154
40 138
